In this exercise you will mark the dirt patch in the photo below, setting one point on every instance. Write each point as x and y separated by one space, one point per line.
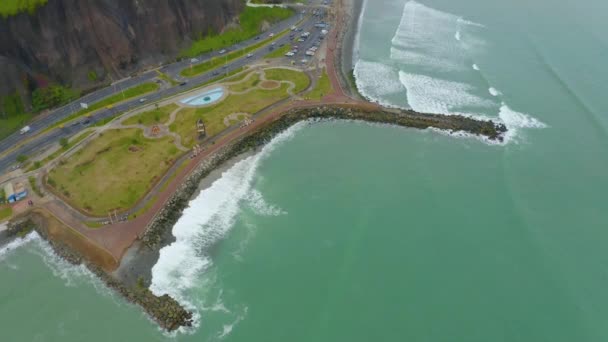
270 85
133 149
58 232
235 117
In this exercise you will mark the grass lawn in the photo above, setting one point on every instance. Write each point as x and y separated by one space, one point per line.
251 82
250 20
93 225
279 52
57 153
322 88
280 74
5 212
130 93
216 62
113 171
153 117
12 7
213 116
13 123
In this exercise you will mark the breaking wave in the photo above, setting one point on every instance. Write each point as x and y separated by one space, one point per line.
429 65
206 220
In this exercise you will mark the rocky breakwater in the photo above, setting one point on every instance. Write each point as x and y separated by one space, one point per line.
172 211
166 311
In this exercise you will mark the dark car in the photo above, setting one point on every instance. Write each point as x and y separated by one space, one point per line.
257 38
183 83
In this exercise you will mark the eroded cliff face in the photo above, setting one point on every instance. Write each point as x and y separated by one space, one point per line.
72 41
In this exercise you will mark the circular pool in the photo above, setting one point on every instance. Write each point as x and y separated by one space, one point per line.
205 98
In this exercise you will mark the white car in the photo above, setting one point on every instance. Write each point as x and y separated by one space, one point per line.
142 100
223 51
249 55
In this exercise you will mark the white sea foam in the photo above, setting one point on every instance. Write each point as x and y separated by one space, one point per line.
424 38
431 95
227 328
376 81
475 67
357 42
11 247
457 35
259 205
470 23
493 91
206 220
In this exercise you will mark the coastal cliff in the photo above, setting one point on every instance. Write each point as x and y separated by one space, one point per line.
85 43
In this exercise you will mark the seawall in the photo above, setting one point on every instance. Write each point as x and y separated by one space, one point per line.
156 231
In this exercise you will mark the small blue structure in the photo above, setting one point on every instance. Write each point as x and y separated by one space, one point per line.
16 193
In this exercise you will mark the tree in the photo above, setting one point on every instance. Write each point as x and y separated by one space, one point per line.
21 158
64 143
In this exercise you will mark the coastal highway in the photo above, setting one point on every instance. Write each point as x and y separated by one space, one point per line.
44 141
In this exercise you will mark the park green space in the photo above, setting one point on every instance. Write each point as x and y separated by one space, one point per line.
299 78
65 145
5 212
114 171
213 116
322 88
152 117
252 80
251 21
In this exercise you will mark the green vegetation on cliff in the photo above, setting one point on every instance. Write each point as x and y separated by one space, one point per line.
12 114
13 7
251 22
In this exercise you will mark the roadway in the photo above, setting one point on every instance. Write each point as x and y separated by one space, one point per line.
42 142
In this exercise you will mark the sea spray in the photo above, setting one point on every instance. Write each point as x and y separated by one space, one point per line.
206 220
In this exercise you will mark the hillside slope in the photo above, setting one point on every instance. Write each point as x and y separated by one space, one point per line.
83 43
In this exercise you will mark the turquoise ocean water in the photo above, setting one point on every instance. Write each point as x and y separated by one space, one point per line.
342 231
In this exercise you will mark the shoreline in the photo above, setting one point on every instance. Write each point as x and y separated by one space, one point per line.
347 51
140 258
133 276
346 43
